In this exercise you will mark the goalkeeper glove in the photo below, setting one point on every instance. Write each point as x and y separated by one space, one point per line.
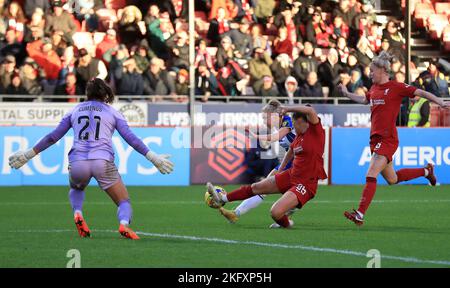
162 162
20 158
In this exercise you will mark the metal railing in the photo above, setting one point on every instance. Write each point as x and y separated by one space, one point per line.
170 99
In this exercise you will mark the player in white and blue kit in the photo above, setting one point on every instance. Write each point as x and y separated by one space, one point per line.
284 134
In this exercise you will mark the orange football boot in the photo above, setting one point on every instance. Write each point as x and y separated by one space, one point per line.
82 227
126 232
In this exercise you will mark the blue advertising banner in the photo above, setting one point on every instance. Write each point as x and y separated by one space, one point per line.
418 146
50 166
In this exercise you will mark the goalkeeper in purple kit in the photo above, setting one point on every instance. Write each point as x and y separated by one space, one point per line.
94 123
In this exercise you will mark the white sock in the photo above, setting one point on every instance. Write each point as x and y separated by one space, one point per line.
249 204
78 212
360 214
124 222
426 172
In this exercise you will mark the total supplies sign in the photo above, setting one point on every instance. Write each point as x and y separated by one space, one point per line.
51 166
418 146
51 113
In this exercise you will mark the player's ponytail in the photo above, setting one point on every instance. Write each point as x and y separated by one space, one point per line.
383 60
272 107
97 89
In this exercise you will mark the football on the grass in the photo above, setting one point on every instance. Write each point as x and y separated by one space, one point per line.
208 199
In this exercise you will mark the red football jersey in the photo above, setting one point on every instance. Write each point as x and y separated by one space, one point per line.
308 151
385 101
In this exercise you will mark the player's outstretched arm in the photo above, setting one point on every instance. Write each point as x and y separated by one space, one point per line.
161 162
357 98
433 98
274 137
20 158
308 110
286 159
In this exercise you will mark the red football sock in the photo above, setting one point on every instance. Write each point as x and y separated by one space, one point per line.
240 194
283 221
409 174
368 193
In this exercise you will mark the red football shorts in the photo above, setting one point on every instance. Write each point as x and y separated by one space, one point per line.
304 191
387 148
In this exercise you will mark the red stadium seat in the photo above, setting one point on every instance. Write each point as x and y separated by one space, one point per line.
436 24
421 13
443 8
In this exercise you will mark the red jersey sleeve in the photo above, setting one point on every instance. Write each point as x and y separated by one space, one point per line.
317 128
405 90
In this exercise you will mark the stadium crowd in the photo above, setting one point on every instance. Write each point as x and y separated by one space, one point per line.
243 47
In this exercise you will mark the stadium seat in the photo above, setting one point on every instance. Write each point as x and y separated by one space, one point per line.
436 24
421 13
443 8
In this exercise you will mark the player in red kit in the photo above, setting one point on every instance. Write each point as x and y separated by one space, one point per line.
385 97
298 184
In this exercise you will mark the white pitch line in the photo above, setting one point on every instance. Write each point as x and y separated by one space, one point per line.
202 202
259 244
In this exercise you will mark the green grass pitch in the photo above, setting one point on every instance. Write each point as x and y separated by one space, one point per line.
409 225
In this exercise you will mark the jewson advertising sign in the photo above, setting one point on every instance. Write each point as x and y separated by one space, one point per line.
50 167
418 146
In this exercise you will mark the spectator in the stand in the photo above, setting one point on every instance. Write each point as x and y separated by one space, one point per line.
374 38
231 10
281 69
218 27
142 56
128 80
282 44
69 88
396 40
346 12
60 42
288 22
130 28
434 81
12 47
203 55
291 88
7 69
419 112
396 66
352 63
269 89
328 72
31 5
16 19
355 81
180 50
157 80
226 82
182 85
88 68
317 31
59 20
225 52
339 29
206 82
305 63
16 87
259 67
109 42
258 40
34 30
363 52
41 51
31 77
312 87
367 81
343 50
241 39
264 9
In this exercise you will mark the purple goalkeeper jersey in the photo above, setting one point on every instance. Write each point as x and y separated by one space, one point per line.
93 124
